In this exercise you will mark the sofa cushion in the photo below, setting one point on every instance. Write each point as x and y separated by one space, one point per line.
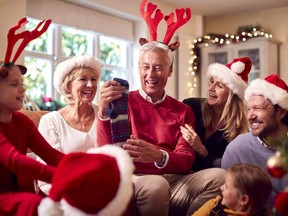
35 116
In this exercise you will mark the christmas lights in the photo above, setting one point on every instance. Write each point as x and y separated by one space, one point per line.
243 34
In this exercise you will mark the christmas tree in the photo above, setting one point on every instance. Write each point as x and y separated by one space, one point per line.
278 166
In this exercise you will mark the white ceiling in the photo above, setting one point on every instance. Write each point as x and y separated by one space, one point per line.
218 7
198 7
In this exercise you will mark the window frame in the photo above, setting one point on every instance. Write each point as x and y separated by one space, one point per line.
54 54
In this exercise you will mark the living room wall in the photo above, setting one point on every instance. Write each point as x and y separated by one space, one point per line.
273 21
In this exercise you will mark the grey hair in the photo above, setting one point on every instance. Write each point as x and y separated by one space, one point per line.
155 45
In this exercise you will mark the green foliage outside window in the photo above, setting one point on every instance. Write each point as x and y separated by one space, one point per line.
34 81
110 54
34 77
74 44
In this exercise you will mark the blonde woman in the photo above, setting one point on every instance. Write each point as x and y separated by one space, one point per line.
73 128
221 116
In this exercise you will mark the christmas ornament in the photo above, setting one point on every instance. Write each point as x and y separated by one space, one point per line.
281 203
276 165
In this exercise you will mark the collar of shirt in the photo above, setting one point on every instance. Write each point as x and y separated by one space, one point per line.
263 143
148 98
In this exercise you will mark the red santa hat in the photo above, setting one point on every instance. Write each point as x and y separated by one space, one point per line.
95 183
234 74
272 88
66 67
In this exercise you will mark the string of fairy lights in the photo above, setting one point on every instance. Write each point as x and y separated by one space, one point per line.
243 34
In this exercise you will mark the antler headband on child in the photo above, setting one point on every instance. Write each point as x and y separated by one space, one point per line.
172 25
13 38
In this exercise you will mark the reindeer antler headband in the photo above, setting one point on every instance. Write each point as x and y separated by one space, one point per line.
172 25
13 38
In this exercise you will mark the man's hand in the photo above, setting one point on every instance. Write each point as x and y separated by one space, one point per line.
110 91
142 151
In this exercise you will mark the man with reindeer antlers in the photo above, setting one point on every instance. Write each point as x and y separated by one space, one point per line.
162 180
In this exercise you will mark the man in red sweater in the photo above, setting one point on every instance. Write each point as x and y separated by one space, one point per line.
163 159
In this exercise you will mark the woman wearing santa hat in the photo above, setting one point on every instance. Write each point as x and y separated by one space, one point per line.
221 116
73 128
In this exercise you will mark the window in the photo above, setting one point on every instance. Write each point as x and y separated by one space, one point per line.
61 42
113 56
75 42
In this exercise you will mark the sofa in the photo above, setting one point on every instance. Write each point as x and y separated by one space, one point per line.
35 116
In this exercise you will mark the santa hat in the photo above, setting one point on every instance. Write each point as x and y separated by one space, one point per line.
95 183
272 88
66 67
234 74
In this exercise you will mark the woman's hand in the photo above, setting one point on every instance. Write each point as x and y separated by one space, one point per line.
193 139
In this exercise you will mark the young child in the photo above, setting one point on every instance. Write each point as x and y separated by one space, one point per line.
245 192
17 134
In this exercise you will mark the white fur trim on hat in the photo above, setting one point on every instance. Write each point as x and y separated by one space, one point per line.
270 91
229 77
49 207
68 65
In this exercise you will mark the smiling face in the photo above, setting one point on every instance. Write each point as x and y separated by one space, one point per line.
84 85
12 91
264 119
154 69
218 93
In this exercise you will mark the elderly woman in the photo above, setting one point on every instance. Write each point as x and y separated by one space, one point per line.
73 128
221 116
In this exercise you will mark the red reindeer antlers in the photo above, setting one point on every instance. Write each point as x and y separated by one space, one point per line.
27 36
171 25
152 23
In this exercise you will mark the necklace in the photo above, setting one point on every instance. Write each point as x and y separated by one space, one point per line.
84 123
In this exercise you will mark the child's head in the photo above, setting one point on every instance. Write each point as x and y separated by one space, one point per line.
247 188
11 88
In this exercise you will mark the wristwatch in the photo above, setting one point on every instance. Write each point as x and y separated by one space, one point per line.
163 160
